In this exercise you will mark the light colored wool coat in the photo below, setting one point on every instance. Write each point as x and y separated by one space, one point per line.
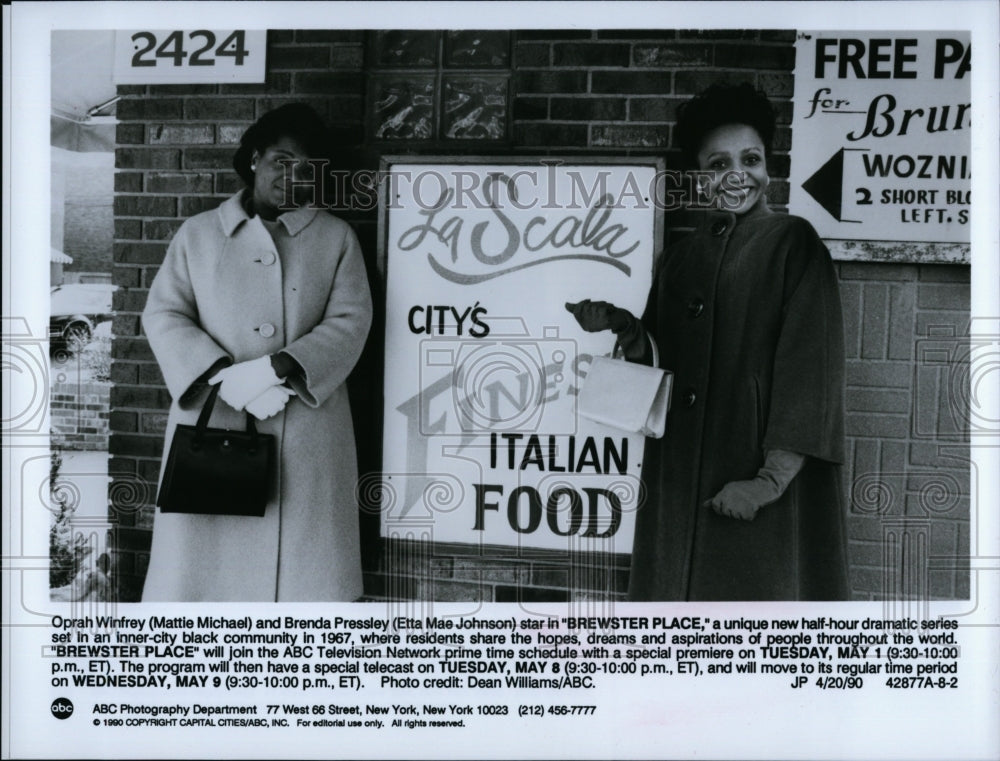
228 289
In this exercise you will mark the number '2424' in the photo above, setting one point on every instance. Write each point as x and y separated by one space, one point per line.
147 51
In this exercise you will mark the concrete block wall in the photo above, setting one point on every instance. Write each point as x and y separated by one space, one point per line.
571 92
906 329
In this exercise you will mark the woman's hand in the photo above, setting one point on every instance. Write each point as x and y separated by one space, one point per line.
742 499
270 403
595 316
245 381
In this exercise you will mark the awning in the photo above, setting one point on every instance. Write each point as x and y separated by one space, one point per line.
95 134
58 257
82 67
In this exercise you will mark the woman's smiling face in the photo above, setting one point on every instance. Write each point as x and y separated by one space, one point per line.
734 153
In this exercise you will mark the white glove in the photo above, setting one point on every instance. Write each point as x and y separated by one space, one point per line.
270 403
245 381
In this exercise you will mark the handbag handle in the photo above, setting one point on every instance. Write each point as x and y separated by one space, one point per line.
206 413
619 353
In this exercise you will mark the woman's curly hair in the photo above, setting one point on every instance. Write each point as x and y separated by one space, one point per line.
719 105
298 121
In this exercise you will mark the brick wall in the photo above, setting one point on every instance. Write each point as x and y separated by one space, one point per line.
569 92
79 415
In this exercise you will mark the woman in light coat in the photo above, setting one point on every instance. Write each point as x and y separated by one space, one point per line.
274 305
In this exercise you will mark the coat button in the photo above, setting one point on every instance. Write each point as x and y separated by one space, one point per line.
690 397
266 330
718 228
268 258
695 307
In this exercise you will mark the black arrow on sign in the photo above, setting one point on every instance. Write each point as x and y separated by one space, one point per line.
827 185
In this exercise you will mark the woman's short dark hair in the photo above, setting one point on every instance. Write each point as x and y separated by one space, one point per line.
295 120
719 105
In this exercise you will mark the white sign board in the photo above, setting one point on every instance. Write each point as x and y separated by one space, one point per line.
880 134
482 441
201 56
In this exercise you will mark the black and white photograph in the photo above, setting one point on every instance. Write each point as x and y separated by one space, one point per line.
501 380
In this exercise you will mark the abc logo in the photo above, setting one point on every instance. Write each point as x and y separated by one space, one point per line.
62 708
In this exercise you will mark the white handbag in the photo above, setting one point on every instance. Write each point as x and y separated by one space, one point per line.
626 395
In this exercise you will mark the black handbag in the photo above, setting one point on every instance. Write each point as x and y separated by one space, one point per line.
215 471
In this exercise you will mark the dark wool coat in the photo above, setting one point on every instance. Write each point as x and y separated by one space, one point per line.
227 289
746 313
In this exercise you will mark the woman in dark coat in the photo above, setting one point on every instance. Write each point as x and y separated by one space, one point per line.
744 490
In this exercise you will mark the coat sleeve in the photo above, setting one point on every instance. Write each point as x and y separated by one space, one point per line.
806 411
648 323
183 349
329 351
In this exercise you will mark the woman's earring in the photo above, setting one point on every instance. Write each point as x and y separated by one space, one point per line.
253 167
